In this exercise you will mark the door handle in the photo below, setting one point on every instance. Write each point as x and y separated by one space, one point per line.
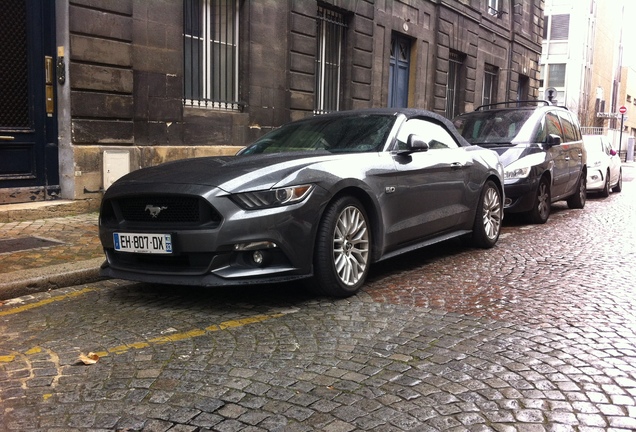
6 138
456 165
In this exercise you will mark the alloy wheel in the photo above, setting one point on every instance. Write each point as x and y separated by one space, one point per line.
492 212
543 198
351 245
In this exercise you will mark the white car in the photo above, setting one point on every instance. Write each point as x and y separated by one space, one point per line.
604 170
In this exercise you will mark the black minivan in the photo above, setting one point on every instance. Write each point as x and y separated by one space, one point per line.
541 148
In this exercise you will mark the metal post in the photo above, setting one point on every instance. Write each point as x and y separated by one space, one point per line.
620 136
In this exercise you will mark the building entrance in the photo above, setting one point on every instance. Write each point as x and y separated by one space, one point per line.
28 123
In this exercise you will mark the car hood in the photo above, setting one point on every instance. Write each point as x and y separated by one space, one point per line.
512 153
229 173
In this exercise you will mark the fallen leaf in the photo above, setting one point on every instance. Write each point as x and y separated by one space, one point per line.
89 359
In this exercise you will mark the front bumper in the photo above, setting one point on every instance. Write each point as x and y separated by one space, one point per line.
204 280
595 180
239 247
520 195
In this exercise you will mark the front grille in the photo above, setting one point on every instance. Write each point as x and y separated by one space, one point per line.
164 209
160 209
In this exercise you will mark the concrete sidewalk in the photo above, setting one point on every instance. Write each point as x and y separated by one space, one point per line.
47 245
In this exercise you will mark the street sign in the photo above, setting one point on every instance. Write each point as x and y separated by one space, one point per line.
622 110
607 115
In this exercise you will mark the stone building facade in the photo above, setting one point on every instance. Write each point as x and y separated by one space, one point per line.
136 80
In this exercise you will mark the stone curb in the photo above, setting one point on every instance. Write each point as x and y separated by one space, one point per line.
25 282
46 209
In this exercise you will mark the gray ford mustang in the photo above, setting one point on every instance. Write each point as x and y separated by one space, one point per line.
319 199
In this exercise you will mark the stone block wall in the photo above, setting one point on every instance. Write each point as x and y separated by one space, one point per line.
126 70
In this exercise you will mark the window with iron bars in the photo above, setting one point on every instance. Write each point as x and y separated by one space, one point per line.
210 46
490 85
453 88
330 37
494 7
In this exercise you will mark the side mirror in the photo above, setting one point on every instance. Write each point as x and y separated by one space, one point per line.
613 152
553 140
416 143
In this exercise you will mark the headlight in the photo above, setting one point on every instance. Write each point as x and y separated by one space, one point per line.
511 172
272 198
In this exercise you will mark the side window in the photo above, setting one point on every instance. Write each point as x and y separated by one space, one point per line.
433 133
552 125
577 127
569 133
541 133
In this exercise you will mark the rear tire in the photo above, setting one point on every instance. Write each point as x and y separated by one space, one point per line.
577 200
542 202
343 249
488 217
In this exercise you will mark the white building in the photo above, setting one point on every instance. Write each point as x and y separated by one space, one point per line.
581 57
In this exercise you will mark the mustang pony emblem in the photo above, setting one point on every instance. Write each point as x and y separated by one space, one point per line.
154 211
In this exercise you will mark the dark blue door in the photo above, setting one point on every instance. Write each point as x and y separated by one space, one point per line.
28 123
399 65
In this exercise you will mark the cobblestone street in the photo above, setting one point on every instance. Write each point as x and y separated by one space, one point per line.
537 334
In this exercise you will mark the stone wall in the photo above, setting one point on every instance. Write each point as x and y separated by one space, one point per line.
126 70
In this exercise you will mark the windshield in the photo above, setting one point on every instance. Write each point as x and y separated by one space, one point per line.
492 127
339 134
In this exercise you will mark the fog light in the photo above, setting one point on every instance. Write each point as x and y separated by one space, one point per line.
257 257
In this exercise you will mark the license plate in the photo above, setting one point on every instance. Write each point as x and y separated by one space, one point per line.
143 243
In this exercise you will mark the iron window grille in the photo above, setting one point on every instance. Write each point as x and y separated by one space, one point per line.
210 46
494 8
330 38
453 90
490 85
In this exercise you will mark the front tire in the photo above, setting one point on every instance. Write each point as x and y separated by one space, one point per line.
542 203
488 218
606 187
619 184
343 249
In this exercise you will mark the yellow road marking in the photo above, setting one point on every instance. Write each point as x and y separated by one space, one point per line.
176 337
167 339
136 345
45 302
